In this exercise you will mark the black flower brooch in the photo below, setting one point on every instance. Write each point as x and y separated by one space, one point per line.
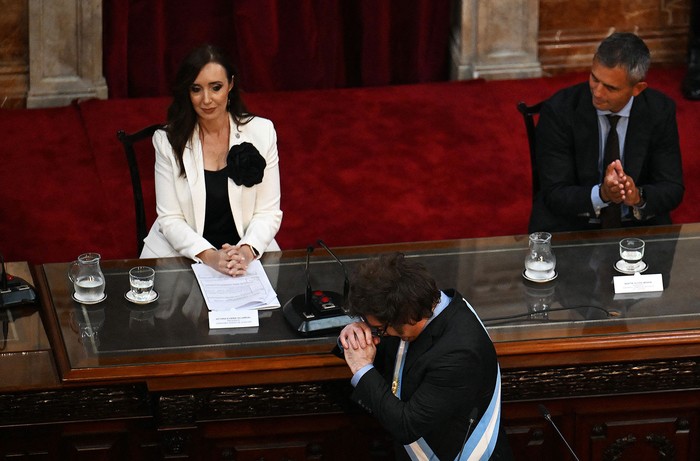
245 165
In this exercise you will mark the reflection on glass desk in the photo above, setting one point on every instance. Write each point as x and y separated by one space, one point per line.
579 305
26 360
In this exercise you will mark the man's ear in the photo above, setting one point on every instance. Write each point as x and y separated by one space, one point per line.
638 88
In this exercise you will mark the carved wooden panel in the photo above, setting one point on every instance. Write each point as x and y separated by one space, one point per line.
66 405
600 379
663 436
90 447
316 437
532 440
284 451
89 441
186 408
651 426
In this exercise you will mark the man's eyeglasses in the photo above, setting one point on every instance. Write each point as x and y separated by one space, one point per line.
377 332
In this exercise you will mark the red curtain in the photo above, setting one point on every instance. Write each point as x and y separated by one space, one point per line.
277 44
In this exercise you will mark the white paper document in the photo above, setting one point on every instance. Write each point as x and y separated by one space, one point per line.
222 292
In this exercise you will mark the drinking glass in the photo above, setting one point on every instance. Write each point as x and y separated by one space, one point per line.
632 252
141 279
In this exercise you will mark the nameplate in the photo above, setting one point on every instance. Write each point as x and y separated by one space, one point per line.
638 283
233 318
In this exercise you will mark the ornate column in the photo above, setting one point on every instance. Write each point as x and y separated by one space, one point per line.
494 39
65 52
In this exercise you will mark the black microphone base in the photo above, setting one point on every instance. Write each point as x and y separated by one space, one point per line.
18 293
323 314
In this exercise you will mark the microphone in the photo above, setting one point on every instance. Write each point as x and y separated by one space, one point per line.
548 417
317 310
307 294
346 284
4 274
472 419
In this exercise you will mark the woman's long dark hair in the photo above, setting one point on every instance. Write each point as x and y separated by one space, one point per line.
182 117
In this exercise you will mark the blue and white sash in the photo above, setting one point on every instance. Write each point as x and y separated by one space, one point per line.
481 443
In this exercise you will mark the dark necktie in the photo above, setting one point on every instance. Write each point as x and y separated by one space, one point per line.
610 215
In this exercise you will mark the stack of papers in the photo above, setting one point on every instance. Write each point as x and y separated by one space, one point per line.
235 301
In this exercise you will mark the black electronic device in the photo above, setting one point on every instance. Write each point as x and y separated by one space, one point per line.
318 311
14 291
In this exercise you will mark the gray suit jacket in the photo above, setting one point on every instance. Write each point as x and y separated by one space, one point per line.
567 159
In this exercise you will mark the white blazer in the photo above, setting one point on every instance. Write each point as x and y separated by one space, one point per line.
181 201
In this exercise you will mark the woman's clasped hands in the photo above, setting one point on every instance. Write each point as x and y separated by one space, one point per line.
231 260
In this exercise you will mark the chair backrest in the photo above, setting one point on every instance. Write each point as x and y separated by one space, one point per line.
529 113
128 141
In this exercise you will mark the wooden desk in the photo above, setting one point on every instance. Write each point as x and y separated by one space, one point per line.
169 346
591 355
26 359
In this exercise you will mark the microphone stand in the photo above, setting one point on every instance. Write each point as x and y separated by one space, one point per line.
3 283
307 293
346 283
548 417
472 419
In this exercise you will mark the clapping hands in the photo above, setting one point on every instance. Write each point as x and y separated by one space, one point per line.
618 187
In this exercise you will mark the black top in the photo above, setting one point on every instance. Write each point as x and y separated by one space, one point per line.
219 226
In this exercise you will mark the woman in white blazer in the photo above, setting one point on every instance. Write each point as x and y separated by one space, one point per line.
216 173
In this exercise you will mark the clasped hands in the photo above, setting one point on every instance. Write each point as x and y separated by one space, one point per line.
231 260
360 347
617 187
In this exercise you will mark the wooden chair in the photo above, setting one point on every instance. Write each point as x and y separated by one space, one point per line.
128 141
529 113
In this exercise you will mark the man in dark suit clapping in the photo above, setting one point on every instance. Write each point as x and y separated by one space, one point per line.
608 153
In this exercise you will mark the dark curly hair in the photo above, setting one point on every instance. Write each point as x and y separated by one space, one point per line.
182 117
393 289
